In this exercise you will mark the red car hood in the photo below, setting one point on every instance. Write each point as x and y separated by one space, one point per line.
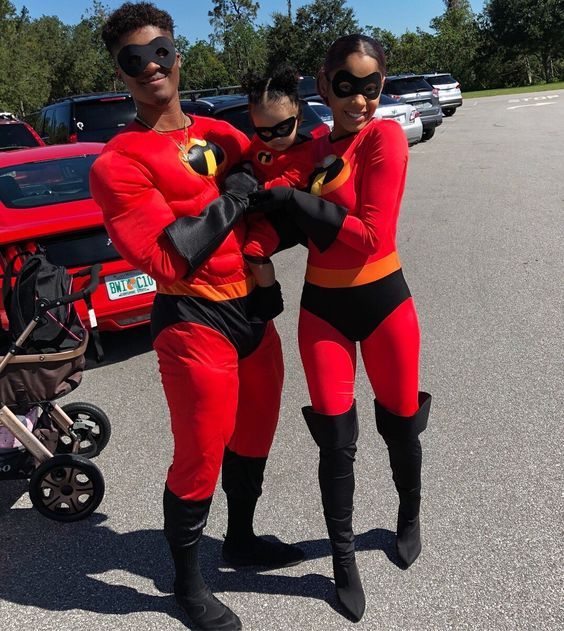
28 223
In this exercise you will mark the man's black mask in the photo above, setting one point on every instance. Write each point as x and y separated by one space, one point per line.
281 130
134 59
345 84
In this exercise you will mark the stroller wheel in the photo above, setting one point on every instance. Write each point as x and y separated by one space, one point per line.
66 487
91 425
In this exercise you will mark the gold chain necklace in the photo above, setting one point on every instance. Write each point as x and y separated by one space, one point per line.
184 149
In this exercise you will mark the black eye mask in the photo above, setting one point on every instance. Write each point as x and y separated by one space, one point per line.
134 59
281 130
345 84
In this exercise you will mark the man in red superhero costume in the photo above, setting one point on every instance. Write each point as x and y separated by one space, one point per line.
221 368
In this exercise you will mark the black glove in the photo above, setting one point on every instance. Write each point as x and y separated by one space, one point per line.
197 238
318 218
240 182
265 303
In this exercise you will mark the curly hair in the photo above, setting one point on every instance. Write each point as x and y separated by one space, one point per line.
282 83
130 17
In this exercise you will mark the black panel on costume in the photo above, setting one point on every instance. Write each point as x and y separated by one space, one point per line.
356 311
228 317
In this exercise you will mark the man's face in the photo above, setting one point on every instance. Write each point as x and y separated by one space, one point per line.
156 82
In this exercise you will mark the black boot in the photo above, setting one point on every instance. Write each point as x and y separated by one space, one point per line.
401 434
242 478
184 521
336 438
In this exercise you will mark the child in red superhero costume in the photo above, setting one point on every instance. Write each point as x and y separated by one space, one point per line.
279 154
355 292
221 367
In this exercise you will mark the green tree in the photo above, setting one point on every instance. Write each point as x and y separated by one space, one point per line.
529 27
456 42
241 44
201 66
319 24
283 42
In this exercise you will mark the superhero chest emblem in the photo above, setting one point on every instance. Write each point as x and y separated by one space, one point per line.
329 176
265 157
202 157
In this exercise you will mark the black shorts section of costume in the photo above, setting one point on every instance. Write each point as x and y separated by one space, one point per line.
229 317
356 311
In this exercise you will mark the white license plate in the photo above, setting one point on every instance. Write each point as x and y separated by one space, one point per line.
129 284
400 119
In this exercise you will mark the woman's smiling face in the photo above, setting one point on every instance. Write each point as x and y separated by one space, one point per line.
352 113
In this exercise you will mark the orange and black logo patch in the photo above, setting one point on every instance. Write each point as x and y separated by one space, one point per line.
330 176
264 157
204 158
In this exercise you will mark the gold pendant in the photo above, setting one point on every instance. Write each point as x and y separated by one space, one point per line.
184 155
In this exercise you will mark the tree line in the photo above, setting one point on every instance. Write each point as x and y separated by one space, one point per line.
510 43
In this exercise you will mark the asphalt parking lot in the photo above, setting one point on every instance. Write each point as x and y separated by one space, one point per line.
481 243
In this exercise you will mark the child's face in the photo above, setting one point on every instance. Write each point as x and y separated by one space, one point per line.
276 123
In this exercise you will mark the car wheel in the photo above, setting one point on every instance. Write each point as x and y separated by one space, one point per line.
449 111
428 134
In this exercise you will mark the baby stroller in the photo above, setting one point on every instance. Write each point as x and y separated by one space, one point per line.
40 440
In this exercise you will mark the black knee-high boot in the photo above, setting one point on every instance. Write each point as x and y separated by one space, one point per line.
401 434
184 521
242 478
336 438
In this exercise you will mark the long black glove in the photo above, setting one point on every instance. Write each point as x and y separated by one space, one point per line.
197 238
319 219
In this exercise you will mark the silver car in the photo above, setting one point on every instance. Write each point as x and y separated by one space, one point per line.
450 96
404 113
323 111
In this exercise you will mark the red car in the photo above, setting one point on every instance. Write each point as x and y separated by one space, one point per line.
16 134
45 201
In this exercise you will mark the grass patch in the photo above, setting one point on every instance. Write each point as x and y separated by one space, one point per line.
543 87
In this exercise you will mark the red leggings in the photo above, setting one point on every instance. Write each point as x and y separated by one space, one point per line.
216 400
390 354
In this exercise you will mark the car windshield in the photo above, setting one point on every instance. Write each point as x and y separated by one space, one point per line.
406 86
307 86
44 183
98 121
239 118
74 250
15 136
441 79
323 111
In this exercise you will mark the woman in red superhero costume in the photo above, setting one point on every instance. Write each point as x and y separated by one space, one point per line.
221 366
355 292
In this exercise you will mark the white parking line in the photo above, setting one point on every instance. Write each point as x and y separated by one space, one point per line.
516 107
544 97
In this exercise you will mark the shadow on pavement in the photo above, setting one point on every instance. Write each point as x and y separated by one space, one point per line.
55 566
119 346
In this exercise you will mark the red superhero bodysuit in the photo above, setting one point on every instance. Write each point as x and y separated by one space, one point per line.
277 168
222 371
354 291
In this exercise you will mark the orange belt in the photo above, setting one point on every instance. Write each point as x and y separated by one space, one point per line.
334 278
215 293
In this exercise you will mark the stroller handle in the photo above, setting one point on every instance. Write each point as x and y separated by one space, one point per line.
93 272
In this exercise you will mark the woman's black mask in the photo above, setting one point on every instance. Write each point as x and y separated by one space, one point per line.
281 130
134 59
345 84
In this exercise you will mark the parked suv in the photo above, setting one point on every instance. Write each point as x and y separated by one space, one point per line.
450 96
234 108
16 134
413 89
84 118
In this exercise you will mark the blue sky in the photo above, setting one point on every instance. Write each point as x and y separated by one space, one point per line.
191 16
